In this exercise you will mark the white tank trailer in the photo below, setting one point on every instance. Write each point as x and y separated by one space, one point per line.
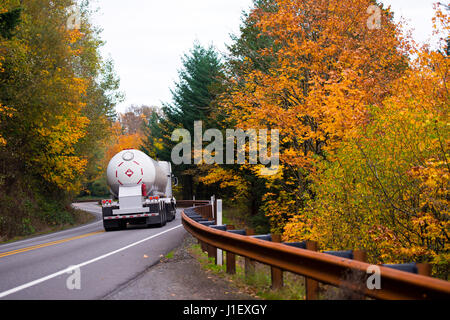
142 191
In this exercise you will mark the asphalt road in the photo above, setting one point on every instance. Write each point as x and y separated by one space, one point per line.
83 262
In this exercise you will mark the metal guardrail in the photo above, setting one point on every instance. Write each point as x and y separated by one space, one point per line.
323 267
191 203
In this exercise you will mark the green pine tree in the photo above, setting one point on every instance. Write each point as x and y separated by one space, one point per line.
9 21
193 99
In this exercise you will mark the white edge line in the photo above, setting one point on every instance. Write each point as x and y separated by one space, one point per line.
69 269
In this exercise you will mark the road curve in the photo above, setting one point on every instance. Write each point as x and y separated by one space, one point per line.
83 262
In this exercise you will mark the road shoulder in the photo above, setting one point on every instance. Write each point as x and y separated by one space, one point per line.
179 277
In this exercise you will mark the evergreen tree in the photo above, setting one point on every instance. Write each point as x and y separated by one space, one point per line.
9 21
194 94
245 50
193 99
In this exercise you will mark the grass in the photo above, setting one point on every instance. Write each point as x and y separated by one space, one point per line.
80 218
257 285
233 216
169 255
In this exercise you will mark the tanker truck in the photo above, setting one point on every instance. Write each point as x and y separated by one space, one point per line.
141 190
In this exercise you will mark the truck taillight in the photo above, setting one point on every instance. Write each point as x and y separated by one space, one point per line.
106 203
156 198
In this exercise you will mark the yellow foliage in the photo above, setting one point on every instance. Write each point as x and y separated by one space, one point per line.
386 190
227 179
364 131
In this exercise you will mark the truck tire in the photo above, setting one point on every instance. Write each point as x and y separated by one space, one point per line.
108 212
122 225
163 217
169 213
174 211
108 227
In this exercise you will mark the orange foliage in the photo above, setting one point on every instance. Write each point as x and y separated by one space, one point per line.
121 142
387 189
328 67
363 130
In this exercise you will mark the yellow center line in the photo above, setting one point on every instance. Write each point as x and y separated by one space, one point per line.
10 253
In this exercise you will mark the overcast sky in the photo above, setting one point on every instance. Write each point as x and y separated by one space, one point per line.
147 38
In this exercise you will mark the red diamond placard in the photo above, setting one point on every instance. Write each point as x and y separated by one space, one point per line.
129 173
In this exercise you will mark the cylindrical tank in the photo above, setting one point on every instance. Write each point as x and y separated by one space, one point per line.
133 167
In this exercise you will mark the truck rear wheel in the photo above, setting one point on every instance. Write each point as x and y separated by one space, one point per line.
122 225
168 214
109 227
173 211
172 216
163 217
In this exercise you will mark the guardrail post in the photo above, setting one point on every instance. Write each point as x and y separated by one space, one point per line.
201 243
312 286
359 255
424 269
203 246
324 267
249 263
231 257
210 212
212 252
213 206
218 216
276 273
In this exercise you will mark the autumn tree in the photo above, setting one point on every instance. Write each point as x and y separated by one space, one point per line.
121 141
127 132
386 190
325 67
134 118
59 95
8 23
